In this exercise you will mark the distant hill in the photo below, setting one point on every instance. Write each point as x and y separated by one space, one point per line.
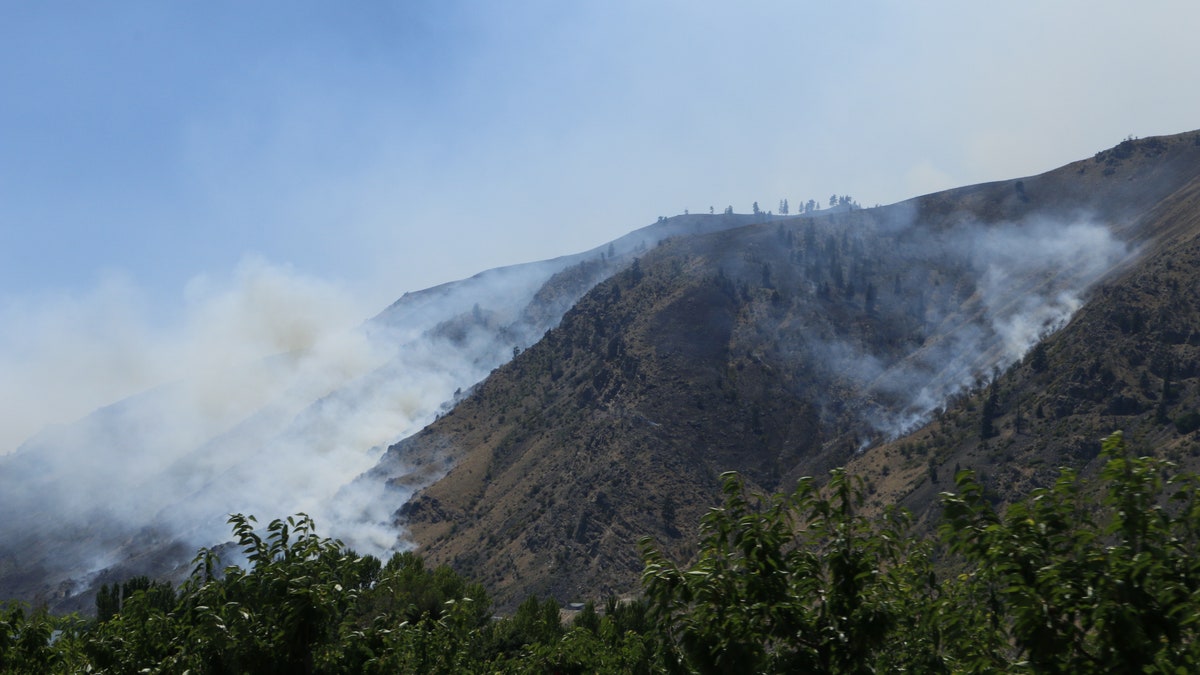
870 337
137 486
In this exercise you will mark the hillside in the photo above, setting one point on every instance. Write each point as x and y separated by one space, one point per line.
135 487
788 348
1129 360
895 340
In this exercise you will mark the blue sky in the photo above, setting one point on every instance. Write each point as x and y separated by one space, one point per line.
155 156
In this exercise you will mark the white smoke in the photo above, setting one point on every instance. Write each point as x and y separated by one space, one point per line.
266 340
1030 279
268 395
63 356
1034 275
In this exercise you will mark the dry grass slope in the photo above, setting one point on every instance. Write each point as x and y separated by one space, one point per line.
713 353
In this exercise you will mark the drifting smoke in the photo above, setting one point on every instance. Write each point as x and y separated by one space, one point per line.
1022 282
266 399
62 357
270 398
245 357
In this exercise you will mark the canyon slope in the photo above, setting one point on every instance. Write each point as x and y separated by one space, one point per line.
529 426
137 486
878 338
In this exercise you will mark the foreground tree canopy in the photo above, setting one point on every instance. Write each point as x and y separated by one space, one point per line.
1085 576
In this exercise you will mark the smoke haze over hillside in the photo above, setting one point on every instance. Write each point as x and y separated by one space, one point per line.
269 395
1029 279
268 398
271 401
63 356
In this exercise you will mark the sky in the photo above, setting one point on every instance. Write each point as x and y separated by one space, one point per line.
171 171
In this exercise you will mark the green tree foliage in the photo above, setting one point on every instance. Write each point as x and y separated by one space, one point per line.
1037 358
25 642
110 598
1080 583
1084 576
1081 577
305 604
789 583
1188 422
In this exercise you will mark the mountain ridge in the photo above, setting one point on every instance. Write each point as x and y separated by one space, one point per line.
154 494
737 350
625 379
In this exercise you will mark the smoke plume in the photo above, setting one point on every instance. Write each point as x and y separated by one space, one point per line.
268 395
1013 284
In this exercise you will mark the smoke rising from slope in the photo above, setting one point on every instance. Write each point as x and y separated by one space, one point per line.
1018 283
267 340
266 398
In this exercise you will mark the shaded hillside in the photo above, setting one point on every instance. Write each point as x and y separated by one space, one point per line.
1129 360
776 350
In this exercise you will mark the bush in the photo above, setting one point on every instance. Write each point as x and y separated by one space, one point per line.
1188 422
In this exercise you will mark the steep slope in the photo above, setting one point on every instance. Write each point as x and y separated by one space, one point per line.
1129 360
776 350
137 486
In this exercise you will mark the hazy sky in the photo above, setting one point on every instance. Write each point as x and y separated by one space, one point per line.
157 158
